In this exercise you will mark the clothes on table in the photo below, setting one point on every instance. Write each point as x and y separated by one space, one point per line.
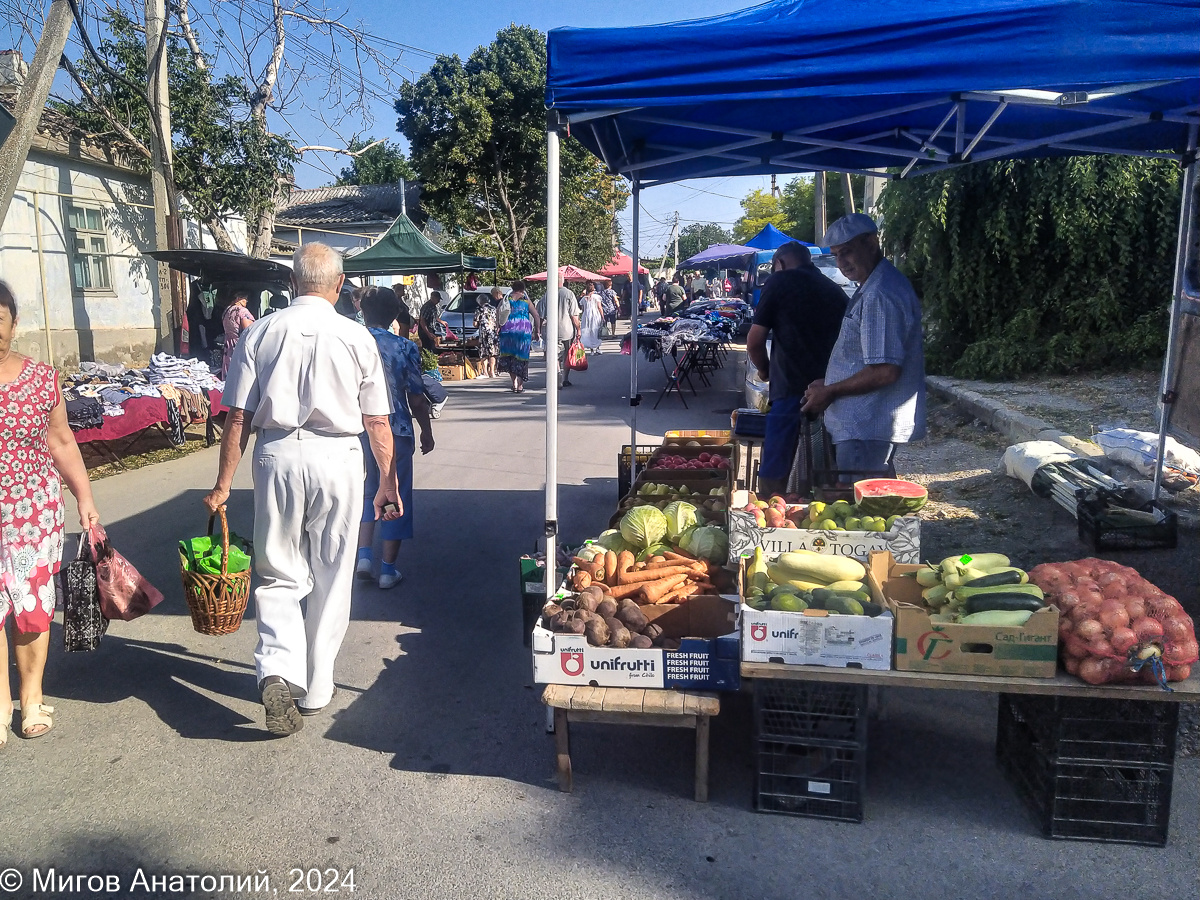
31 505
84 413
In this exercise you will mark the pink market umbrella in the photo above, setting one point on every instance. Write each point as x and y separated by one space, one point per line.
569 273
621 264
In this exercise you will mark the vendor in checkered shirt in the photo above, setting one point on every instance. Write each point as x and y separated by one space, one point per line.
873 392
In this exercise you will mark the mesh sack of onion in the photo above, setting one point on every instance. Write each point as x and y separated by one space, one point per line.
1115 625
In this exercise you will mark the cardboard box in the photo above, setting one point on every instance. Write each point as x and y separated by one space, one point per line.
707 658
812 638
903 540
1029 651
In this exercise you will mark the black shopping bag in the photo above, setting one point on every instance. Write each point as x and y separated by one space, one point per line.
83 622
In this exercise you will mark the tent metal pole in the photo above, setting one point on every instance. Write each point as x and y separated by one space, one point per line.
550 340
635 286
1171 362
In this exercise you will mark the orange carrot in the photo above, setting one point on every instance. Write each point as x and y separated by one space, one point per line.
610 567
655 591
651 575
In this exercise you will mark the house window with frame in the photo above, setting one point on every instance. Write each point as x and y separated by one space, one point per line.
89 243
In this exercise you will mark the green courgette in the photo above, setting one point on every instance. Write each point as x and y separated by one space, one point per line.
997 617
997 578
1002 601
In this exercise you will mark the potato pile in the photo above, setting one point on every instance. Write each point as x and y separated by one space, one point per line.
605 621
671 577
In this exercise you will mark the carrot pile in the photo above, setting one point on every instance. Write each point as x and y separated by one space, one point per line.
670 578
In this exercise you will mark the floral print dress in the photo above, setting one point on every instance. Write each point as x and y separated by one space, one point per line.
31 502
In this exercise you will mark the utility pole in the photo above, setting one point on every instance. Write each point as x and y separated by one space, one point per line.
158 91
32 100
675 231
818 207
775 192
848 192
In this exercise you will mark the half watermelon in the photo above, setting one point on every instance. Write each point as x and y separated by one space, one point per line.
888 497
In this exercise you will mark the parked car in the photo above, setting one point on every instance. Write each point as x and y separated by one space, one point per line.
459 313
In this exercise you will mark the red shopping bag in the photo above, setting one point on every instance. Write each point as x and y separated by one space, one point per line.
577 356
124 592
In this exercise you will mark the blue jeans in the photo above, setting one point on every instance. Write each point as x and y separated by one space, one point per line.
779 443
865 459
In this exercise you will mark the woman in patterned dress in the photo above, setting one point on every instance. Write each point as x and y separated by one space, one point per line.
36 448
235 320
520 330
488 331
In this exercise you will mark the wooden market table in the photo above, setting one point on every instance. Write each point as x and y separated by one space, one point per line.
1061 685
1092 762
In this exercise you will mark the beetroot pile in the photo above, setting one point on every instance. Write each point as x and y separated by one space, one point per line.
1115 625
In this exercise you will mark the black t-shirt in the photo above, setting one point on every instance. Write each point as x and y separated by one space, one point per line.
803 310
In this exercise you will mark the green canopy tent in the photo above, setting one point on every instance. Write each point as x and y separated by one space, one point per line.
403 250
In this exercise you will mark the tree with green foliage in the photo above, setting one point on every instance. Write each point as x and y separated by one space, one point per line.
798 209
224 160
1054 265
375 162
700 236
477 138
759 209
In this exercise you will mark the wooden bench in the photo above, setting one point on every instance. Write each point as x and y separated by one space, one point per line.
630 706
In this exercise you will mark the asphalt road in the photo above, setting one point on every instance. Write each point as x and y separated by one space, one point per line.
431 775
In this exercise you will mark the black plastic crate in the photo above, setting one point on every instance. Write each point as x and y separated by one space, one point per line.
1162 535
625 468
1087 730
1108 801
810 779
810 711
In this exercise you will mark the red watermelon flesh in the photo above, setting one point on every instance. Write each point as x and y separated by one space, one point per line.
888 497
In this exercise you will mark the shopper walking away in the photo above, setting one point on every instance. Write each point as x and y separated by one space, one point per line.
568 329
402 369
591 318
235 320
608 306
874 389
674 298
308 382
522 327
801 312
487 329
37 454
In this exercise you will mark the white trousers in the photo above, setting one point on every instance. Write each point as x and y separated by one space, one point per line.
307 502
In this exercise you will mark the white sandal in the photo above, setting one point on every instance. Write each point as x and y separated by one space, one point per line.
37 714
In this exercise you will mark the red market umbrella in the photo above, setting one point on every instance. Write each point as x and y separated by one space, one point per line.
569 273
621 264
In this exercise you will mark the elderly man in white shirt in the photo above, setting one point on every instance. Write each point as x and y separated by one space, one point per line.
309 382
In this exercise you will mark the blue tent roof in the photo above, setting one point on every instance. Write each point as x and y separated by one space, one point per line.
805 85
770 238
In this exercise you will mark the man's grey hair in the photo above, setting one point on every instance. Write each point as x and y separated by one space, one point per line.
316 267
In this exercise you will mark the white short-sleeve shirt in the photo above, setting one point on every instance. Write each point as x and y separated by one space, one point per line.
307 367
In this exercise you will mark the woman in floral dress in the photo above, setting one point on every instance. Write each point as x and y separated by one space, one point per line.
235 320
36 447
487 330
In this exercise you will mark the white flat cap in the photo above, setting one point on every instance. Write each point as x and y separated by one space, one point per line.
849 227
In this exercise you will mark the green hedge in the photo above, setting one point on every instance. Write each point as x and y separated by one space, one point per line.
1039 266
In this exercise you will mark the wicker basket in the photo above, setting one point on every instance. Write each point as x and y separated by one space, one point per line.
216 602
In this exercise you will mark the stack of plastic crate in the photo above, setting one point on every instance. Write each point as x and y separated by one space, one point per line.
811 746
1091 769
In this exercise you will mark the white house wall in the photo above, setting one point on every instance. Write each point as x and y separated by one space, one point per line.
115 325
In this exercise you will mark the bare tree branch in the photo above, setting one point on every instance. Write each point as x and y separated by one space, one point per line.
345 151
105 110
180 8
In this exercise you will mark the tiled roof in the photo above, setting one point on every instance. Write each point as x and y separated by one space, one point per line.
345 205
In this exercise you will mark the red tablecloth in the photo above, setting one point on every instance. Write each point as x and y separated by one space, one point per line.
140 413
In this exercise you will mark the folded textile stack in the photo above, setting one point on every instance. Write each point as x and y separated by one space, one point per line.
189 374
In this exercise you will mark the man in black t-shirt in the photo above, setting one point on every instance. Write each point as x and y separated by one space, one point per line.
801 310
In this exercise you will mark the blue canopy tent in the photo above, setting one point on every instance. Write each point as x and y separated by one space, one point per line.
771 238
915 85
